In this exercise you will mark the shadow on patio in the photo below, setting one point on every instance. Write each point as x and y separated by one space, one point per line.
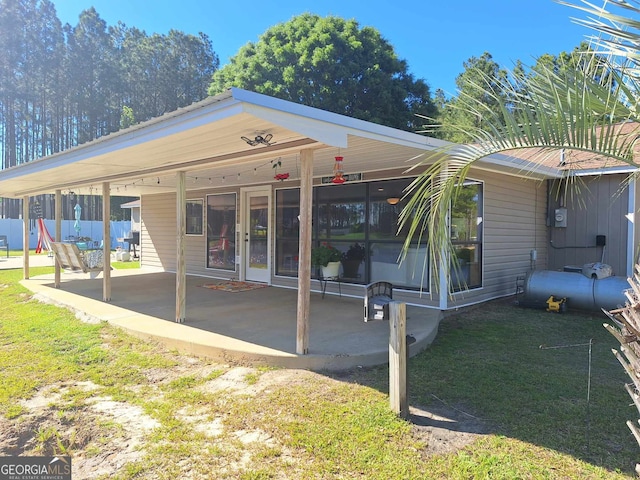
257 326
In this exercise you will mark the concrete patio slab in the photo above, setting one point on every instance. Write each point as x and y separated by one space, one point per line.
251 327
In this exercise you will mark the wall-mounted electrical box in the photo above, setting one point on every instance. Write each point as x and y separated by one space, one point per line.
560 217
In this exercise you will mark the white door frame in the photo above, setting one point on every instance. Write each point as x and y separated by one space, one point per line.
245 194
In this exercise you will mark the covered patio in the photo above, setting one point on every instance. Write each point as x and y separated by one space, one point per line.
224 145
250 327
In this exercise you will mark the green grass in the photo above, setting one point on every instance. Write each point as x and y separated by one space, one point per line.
42 344
486 362
126 265
494 362
538 395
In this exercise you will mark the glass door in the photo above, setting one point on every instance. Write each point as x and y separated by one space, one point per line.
257 238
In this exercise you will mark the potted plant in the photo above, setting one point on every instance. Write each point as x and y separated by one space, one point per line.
351 260
328 258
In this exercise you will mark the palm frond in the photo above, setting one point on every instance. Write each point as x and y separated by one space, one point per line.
617 34
580 109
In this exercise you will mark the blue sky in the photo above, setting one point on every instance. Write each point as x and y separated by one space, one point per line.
434 37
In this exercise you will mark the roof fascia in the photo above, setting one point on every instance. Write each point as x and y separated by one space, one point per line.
524 167
604 171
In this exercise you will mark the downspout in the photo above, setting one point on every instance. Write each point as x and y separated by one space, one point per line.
631 227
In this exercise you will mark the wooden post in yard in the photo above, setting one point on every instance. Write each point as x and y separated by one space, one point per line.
398 359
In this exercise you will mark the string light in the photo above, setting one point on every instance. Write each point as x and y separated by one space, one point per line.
274 163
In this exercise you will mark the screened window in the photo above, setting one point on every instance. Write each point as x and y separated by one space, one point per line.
385 242
340 217
360 220
466 236
221 231
195 217
287 231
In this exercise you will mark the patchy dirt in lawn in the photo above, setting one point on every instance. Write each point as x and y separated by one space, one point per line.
104 434
445 429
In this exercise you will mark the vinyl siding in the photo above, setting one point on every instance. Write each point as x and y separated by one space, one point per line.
514 224
598 208
158 237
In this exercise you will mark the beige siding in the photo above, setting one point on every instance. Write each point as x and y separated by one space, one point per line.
158 232
158 236
514 224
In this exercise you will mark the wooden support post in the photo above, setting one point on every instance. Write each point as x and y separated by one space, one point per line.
25 238
106 242
181 271
58 235
304 252
398 359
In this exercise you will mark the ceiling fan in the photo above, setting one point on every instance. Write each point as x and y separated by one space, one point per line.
259 140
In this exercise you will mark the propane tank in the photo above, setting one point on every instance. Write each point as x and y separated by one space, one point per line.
580 291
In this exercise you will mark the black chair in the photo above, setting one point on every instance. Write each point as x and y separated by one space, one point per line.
376 303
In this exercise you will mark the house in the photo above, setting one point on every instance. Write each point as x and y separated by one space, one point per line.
591 207
134 207
242 185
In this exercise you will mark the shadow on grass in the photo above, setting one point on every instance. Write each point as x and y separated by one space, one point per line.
525 374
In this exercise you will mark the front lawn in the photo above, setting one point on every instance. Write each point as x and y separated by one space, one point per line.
126 409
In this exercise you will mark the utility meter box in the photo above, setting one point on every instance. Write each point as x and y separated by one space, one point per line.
560 218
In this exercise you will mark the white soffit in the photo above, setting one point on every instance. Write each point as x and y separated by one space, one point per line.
316 123
206 136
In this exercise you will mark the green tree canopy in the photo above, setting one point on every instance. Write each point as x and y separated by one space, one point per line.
468 111
64 85
333 64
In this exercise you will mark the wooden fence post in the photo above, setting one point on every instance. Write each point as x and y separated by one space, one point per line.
398 359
